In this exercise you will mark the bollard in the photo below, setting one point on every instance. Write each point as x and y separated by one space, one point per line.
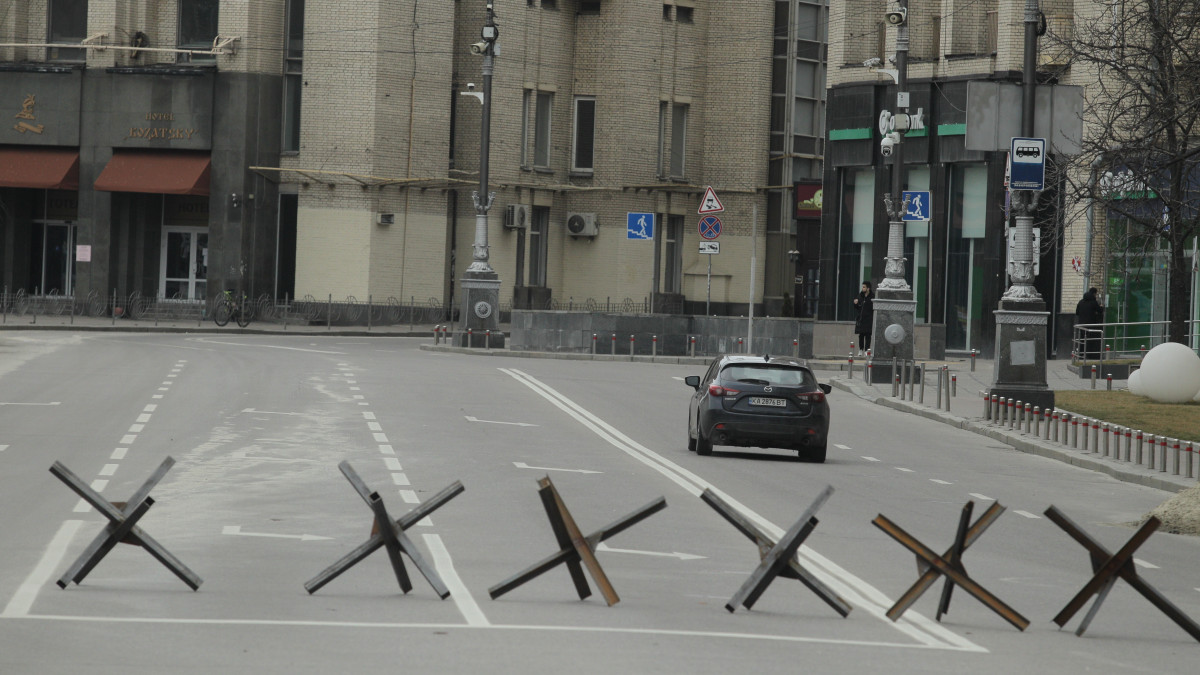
987 406
614 344
631 346
1175 455
1128 442
1191 454
1152 441
912 373
692 344
921 400
487 338
1087 426
593 344
850 361
654 345
1052 434
470 337
1074 432
741 342
1164 443
1012 413
893 378
1029 412
1104 428
437 334
1110 381
795 348
1093 377
954 385
947 389
869 372
973 354
903 378
1138 433
896 386
1037 421
1096 436
939 389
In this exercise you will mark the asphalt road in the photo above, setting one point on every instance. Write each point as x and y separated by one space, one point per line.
256 506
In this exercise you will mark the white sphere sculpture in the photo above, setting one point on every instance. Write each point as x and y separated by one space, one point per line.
1135 383
1170 373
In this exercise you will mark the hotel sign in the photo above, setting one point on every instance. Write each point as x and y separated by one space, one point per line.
155 111
39 109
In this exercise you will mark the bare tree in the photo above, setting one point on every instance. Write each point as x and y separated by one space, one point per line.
1139 61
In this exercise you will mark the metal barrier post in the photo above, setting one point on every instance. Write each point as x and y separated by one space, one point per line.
1096 436
850 361
1110 381
1093 376
329 313
912 372
370 309
614 344
631 345
973 355
894 380
869 371
921 400
692 344
954 385
1104 428
1037 421
488 339
996 407
1128 443
1175 455
593 344
795 348
1164 442
987 406
1191 453
896 390
1087 426
939 389
654 345
113 311
1074 444
947 390
903 378
1139 447
1028 417
470 337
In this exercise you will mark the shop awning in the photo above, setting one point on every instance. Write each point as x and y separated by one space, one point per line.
39 168
157 172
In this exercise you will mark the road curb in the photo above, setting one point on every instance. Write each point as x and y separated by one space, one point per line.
1024 442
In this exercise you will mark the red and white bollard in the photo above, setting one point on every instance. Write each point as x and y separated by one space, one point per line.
987 405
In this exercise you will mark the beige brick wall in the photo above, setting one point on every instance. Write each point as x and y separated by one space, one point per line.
333 252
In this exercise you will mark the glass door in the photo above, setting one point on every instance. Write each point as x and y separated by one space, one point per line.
54 258
184 266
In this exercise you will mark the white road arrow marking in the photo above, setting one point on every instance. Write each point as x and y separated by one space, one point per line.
682 556
237 529
515 424
523 465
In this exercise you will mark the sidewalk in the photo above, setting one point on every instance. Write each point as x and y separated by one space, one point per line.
965 404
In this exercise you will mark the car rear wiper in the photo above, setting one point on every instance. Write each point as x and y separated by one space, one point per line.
755 381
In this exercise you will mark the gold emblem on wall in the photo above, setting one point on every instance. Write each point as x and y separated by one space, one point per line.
27 114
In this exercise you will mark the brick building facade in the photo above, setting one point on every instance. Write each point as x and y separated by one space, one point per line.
335 152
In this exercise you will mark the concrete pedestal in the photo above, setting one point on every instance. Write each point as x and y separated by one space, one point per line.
1021 335
480 311
898 309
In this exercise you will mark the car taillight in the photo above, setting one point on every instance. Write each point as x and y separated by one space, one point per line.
814 397
718 390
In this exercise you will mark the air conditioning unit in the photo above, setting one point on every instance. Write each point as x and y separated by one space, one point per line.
516 217
385 218
582 225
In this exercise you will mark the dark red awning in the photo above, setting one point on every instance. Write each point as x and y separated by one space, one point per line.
39 168
157 172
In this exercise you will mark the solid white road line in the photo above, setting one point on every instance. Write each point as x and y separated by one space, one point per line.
856 591
523 465
261 346
458 590
23 599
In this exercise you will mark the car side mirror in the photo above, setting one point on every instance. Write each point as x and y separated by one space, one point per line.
827 388
692 381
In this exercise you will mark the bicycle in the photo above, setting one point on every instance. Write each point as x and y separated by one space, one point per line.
228 307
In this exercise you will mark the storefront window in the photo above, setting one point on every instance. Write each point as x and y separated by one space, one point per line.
964 236
854 241
1136 288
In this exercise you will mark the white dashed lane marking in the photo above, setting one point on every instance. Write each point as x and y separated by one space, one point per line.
1031 516
940 482
1142 563
900 468
392 464
985 498
870 459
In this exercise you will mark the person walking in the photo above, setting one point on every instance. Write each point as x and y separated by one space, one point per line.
1090 312
864 304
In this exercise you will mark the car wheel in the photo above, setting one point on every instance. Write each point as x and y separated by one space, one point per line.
814 454
703 445
691 442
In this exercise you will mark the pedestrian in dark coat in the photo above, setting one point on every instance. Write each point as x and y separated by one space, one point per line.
1090 311
864 304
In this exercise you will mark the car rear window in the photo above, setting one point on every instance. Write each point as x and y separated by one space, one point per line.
775 375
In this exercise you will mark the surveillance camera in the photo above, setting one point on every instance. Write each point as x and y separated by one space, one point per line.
887 146
470 86
872 62
897 17
479 48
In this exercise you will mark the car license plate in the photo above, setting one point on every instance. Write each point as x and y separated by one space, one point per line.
774 402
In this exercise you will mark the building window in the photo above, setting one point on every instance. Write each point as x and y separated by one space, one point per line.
292 75
679 114
68 23
539 230
198 28
583 156
663 109
673 250
526 103
666 12
683 14
590 7
541 130
549 4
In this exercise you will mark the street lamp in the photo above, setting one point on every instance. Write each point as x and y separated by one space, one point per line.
480 283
